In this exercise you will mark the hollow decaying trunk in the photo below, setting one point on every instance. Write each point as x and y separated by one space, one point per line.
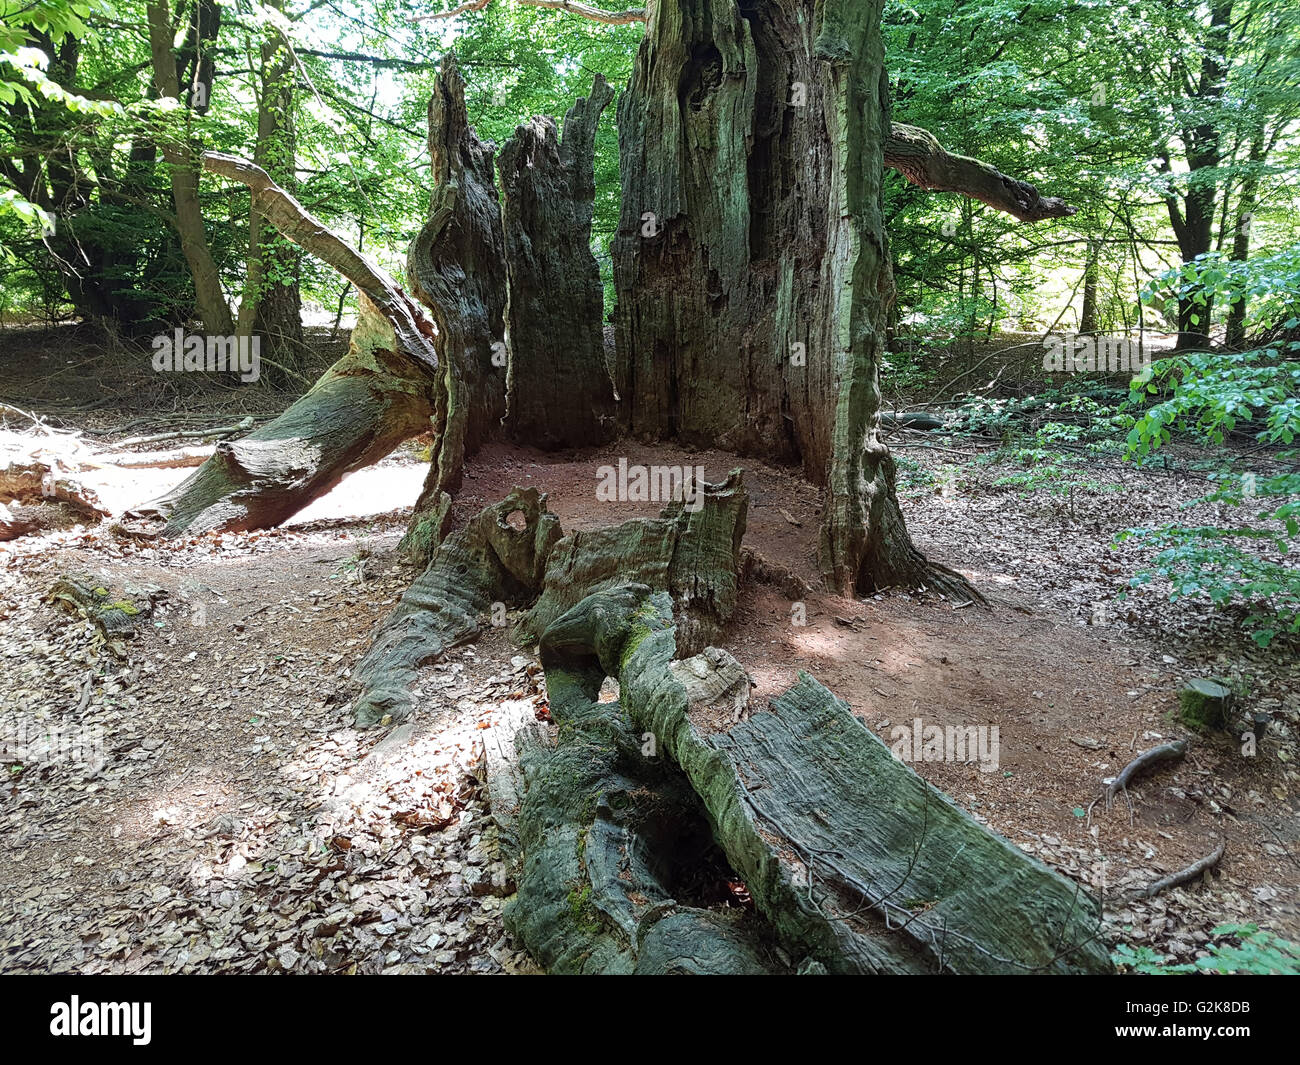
364 406
560 394
456 267
750 261
620 871
632 821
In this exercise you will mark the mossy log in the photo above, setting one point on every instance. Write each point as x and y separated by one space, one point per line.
854 862
616 848
364 406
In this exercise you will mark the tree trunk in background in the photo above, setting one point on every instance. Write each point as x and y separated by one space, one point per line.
750 263
1236 326
1193 225
272 304
560 393
456 267
1091 273
184 176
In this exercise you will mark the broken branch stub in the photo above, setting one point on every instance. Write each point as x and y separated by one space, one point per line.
917 154
692 552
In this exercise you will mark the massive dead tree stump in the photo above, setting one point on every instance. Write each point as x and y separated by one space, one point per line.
855 864
750 263
560 391
457 268
498 558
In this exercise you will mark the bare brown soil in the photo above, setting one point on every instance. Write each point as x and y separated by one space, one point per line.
240 823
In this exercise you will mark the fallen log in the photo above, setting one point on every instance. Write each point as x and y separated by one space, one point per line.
856 863
613 844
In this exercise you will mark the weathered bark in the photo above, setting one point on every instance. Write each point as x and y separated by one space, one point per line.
456 266
490 560
750 261
617 854
560 393
855 864
184 175
362 407
918 156
371 400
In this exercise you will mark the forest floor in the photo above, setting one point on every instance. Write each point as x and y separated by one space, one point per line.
235 821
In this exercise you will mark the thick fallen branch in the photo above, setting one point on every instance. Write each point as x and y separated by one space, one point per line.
414 329
1166 752
918 156
241 426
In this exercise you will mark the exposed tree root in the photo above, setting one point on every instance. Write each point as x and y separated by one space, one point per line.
1183 876
490 561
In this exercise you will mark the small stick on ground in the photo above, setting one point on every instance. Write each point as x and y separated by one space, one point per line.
1183 876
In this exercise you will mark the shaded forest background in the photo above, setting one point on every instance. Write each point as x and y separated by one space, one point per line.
1170 126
